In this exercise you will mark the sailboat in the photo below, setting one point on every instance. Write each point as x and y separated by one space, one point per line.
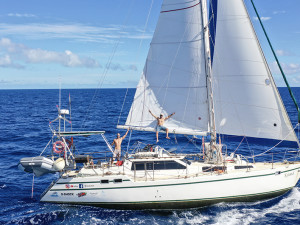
209 68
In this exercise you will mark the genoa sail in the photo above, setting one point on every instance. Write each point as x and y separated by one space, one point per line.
177 75
174 76
247 102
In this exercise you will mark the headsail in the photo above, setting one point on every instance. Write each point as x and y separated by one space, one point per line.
247 102
174 76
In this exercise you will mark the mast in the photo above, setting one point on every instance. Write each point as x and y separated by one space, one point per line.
212 153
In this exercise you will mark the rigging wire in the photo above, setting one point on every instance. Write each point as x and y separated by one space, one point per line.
47 145
192 140
137 56
142 116
107 67
122 107
239 145
276 144
129 140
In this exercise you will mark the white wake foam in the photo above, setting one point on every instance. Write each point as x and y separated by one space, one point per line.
241 213
247 215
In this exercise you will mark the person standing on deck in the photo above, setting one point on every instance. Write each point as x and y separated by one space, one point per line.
160 124
117 143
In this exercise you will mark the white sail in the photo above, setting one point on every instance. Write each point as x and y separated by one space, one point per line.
247 102
174 76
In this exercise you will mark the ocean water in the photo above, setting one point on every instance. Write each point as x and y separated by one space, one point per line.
24 132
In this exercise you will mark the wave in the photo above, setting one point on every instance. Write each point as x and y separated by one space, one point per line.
244 213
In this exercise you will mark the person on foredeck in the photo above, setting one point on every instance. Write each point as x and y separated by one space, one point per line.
160 124
117 143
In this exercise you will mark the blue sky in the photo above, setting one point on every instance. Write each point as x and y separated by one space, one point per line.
43 42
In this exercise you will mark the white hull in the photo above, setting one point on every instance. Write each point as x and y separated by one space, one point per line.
224 88
262 182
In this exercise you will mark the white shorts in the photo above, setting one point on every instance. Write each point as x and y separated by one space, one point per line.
117 153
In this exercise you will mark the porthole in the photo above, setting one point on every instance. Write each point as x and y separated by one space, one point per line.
118 180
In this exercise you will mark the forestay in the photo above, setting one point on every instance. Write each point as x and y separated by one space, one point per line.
247 102
174 76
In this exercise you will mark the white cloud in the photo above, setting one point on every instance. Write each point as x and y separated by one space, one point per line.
291 68
263 18
279 12
78 32
17 55
5 61
20 52
20 15
282 53
4 81
288 68
117 66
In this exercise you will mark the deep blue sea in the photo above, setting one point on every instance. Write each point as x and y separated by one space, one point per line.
24 132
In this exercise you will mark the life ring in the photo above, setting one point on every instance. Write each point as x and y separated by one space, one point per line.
58 147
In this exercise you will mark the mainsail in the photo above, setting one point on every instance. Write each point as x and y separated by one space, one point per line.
175 77
247 102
